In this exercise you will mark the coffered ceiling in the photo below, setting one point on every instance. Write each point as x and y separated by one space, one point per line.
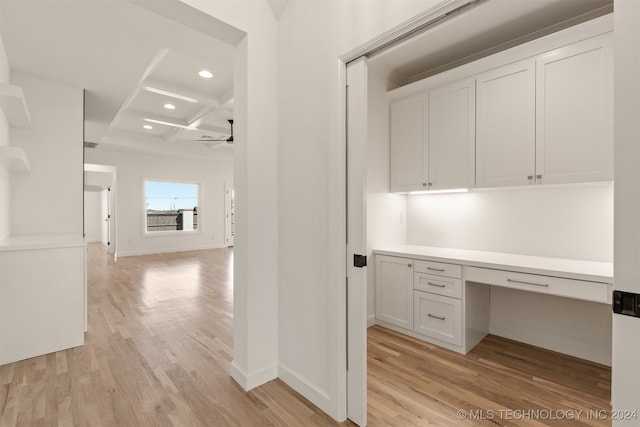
131 62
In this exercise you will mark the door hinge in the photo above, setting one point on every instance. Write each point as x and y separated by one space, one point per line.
359 260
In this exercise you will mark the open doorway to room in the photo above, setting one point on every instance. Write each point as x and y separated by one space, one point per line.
99 206
397 219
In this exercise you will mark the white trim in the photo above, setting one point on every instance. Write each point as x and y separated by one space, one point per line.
306 387
256 379
402 30
371 320
337 252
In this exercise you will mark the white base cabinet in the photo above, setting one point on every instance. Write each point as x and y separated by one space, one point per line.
438 317
425 299
42 296
432 298
394 291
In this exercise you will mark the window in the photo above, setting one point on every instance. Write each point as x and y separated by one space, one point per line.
171 206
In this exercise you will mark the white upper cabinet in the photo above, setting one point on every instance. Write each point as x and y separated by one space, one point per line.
505 127
433 138
451 136
574 113
538 113
409 153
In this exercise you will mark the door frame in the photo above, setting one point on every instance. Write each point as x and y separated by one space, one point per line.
338 183
228 214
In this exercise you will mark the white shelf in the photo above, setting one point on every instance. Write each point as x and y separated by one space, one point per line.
14 159
14 106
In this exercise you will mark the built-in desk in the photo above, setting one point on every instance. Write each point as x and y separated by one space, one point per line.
443 295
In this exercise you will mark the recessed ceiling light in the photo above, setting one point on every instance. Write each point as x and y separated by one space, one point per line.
147 127
169 106
206 74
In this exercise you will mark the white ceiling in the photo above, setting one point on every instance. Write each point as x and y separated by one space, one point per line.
131 62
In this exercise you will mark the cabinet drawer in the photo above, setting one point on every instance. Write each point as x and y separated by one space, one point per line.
438 317
446 286
578 289
437 268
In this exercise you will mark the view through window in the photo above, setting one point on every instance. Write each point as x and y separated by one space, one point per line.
170 206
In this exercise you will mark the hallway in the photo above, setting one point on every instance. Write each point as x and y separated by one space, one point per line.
157 353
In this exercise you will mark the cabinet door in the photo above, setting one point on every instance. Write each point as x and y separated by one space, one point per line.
394 291
574 113
451 135
438 317
409 155
505 132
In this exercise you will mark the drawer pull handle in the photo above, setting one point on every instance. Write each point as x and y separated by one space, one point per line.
435 269
436 317
436 284
542 285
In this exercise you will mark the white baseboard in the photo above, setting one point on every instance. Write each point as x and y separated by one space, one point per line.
168 250
248 382
572 348
371 320
307 388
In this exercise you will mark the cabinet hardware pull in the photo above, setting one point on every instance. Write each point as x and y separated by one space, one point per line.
529 177
543 285
436 317
436 284
430 184
424 184
435 269
539 176
409 265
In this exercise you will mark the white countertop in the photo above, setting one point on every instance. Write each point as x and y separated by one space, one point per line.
557 267
41 241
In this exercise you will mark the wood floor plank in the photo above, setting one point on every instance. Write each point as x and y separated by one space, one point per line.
160 343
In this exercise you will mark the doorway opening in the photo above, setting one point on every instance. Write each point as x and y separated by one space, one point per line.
390 217
100 205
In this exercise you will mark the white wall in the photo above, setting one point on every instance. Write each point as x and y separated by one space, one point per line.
5 188
255 306
48 200
562 221
313 35
133 168
93 216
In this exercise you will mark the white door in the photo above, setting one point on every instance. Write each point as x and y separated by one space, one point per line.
505 126
356 241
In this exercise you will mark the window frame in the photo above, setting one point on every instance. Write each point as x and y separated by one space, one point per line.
170 233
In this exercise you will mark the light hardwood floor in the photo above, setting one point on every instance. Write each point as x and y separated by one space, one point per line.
159 346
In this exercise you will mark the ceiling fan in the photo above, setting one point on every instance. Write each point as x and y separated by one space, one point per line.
207 138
